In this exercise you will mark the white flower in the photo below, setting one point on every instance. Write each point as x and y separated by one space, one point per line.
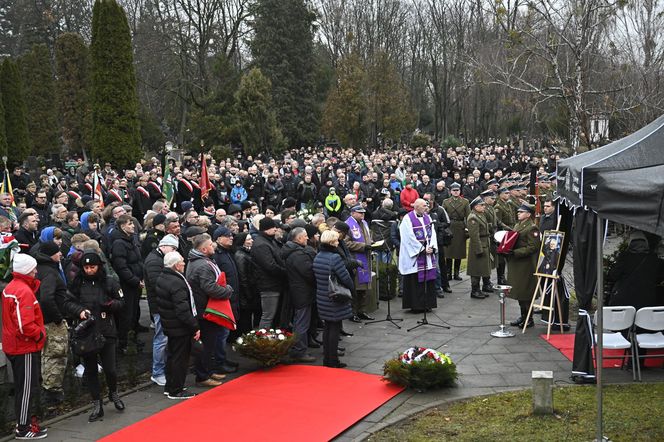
281 337
278 331
262 330
239 340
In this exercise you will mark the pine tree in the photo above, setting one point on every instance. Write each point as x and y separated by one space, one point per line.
345 116
16 125
115 120
71 66
3 135
283 49
39 93
257 120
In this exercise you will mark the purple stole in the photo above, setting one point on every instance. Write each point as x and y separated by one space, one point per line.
357 235
423 234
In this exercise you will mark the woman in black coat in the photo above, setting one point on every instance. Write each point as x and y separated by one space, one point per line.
128 264
177 311
101 296
326 263
250 301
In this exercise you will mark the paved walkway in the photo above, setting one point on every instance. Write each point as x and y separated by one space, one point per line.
486 364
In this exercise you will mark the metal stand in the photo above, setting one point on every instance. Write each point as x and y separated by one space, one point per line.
389 317
502 333
424 321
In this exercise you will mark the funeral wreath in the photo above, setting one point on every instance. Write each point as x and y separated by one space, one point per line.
421 368
267 346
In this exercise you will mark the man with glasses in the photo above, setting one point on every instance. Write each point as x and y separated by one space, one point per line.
116 213
41 206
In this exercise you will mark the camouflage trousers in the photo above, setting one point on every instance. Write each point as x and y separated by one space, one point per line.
54 356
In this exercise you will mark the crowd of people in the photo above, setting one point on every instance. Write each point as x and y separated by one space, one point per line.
281 230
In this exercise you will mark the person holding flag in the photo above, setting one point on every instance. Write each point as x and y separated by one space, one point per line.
7 204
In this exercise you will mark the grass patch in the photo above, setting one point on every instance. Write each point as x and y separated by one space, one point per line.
631 413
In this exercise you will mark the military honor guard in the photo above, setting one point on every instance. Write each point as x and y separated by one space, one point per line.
458 209
479 249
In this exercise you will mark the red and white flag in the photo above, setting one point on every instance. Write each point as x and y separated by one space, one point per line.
204 182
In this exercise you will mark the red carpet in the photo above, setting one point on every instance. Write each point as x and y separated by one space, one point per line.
286 403
565 344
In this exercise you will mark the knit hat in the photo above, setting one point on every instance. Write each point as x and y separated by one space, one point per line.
233 209
158 219
172 258
222 231
49 248
23 264
169 240
186 206
91 258
266 224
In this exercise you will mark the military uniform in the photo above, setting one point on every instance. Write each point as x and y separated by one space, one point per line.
522 263
505 218
458 209
479 252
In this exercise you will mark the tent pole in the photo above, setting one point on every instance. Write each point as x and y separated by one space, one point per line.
600 324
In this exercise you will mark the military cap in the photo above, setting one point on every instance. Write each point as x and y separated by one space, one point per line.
455 186
526 208
488 194
476 201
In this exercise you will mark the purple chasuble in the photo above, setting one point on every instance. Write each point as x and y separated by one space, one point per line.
423 235
357 235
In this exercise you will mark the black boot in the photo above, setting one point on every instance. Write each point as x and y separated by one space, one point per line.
475 288
97 411
487 287
119 405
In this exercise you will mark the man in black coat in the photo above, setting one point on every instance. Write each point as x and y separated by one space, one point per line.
299 260
56 305
127 263
152 268
177 310
27 232
548 220
223 256
270 270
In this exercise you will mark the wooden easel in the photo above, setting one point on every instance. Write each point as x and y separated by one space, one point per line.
549 282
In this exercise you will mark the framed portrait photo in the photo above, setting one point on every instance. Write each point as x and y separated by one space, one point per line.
549 255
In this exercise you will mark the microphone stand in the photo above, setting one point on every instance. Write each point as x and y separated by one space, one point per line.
389 317
424 320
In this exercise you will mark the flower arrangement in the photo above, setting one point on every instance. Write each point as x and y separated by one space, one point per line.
267 346
421 368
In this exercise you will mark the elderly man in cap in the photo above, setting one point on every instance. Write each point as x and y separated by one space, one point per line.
522 263
479 247
153 266
224 258
359 244
458 209
23 337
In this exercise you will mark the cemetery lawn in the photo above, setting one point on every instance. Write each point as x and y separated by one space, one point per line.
631 413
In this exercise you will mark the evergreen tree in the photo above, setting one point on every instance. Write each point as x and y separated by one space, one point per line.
345 114
115 121
3 135
39 94
257 120
283 49
71 65
16 125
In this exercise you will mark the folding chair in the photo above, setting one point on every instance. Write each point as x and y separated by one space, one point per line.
651 319
617 319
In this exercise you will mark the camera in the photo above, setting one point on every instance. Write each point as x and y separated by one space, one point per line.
84 325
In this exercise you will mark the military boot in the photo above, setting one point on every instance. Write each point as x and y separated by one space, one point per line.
487 287
475 288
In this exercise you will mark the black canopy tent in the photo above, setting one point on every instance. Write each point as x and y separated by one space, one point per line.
622 182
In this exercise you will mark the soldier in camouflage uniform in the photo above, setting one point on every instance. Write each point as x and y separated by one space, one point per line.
479 248
458 210
505 217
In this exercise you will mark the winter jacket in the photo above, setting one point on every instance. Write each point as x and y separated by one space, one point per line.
299 262
22 320
326 262
151 241
101 296
56 303
226 262
126 258
270 270
152 268
249 299
26 239
173 301
202 274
